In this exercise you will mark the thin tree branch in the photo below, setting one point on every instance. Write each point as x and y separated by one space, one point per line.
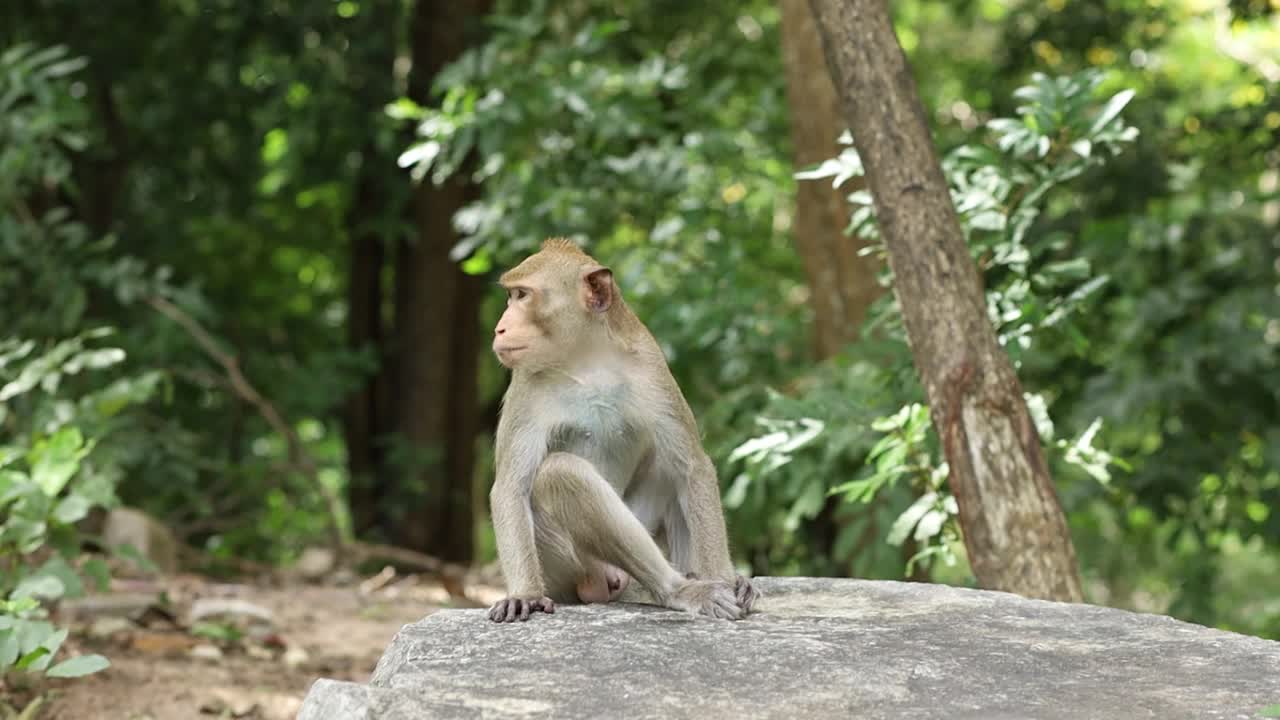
239 384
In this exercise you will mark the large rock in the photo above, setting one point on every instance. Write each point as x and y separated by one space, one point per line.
820 648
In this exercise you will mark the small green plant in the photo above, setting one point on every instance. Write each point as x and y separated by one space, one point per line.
904 453
49 482
39 506
63 389
218 632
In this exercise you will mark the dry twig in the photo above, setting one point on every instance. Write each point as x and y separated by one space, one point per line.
239 384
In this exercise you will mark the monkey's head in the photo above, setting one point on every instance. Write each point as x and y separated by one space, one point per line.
558 305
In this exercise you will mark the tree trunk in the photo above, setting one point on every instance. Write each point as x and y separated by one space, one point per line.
363 418
369 413
842 285
437 324
1014 529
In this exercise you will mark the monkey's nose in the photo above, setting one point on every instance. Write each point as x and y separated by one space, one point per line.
499 331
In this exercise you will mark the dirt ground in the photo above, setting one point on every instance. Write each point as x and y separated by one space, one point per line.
257 662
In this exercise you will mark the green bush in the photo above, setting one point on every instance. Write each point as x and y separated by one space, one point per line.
865 419
61 392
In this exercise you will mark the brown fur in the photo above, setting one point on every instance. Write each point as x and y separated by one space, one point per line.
597 452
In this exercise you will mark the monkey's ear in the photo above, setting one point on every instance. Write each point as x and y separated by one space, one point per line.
597 288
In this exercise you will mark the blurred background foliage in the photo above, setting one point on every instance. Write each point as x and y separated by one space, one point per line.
291 175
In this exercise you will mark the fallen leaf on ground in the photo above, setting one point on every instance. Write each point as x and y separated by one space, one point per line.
163 642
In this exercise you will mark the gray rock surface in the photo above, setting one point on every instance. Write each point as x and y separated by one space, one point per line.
819 648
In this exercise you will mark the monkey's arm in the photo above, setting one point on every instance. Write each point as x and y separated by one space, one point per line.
707 536
509 504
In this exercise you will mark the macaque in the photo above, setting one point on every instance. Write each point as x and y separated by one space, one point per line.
601 475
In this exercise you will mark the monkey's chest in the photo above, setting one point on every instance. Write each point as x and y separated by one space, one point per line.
594 423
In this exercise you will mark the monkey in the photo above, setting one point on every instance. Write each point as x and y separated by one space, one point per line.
598 457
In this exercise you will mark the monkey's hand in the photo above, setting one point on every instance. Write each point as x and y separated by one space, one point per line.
712 598
745 593
512 609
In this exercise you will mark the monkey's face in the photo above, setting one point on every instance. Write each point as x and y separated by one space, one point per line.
519 337
556 302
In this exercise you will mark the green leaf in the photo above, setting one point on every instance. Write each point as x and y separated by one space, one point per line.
222 632
894 421
403 109
122 393
33 634
56 460
420 156
20 606
79 666
44 586
13 485
97 571
1271 711
893 458
51 645
29 659
71 508
57 567
1074 269
991 220
93 360
930 525
737 492
805 506
1111 110
66 67
129 552
907 521
27 535
10 454
865 490
477 264
8 648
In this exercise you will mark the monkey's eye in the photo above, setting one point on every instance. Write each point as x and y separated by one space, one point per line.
517 294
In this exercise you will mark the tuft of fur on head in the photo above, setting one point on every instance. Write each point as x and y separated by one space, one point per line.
555 253
562 245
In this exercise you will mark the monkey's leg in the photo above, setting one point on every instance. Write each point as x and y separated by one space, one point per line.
570 495
562 567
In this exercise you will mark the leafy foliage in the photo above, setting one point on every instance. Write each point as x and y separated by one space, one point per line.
58 398
628 150
1033 286
218 150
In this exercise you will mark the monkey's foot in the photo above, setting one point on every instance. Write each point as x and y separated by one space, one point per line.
512 609
712 598
745 593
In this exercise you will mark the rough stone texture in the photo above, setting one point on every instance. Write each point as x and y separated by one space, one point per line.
820 648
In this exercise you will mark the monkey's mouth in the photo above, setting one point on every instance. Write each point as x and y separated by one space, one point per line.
506 353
